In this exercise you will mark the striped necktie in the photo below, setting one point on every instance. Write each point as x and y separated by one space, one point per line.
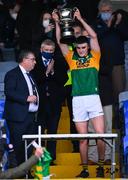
33 84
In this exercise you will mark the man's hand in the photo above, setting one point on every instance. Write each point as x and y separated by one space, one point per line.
55 16
119 18
39 152
77 14
49 28
32 99
50 68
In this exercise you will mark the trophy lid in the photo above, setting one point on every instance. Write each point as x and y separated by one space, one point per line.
65 13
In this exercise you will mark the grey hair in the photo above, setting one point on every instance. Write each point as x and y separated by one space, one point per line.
104 3
48 42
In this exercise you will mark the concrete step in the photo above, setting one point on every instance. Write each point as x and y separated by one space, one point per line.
72 159
64 146
71 171
68 159
63 128
89 179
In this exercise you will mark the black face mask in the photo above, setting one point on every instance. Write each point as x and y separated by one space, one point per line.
47 55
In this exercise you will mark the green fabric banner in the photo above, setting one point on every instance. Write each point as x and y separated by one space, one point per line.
42 168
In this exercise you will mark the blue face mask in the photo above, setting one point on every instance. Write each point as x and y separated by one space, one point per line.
47 55
105 16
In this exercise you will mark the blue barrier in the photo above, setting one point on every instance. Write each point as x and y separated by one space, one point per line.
125 142
125 138
125 108
2 102
3 123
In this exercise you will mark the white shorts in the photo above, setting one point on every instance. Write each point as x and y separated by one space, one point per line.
86 107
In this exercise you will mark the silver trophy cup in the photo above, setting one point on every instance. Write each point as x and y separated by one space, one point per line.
66 22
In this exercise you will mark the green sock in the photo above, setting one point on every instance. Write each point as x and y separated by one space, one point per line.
101 162
85 166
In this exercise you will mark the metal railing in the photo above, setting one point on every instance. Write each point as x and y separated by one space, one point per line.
54 137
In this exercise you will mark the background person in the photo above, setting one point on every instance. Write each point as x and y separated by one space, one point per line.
23 168
21 105
44 29
111 28
50 74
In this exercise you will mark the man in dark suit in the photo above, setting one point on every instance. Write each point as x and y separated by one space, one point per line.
21 102
51 74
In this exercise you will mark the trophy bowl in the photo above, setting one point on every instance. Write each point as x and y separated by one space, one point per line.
66 22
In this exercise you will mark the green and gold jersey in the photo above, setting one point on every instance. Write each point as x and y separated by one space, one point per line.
84 73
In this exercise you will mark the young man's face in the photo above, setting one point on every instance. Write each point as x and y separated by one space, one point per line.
82 49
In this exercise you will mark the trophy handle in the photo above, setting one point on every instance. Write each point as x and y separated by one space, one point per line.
55 11
74 9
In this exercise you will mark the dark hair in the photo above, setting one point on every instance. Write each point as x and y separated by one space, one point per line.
23 54
123 13
81 40
77 24
44 12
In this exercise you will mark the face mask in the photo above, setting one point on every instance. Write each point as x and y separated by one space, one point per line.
14 16
105 16
45 23
47 55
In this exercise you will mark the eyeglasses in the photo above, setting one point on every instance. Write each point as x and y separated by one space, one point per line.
32 59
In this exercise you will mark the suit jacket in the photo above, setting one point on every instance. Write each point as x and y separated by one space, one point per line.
55 83
16 92
21 170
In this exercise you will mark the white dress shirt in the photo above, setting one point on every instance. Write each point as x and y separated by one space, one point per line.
32 106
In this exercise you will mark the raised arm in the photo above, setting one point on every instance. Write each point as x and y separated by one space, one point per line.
93 36
63 47
23 168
